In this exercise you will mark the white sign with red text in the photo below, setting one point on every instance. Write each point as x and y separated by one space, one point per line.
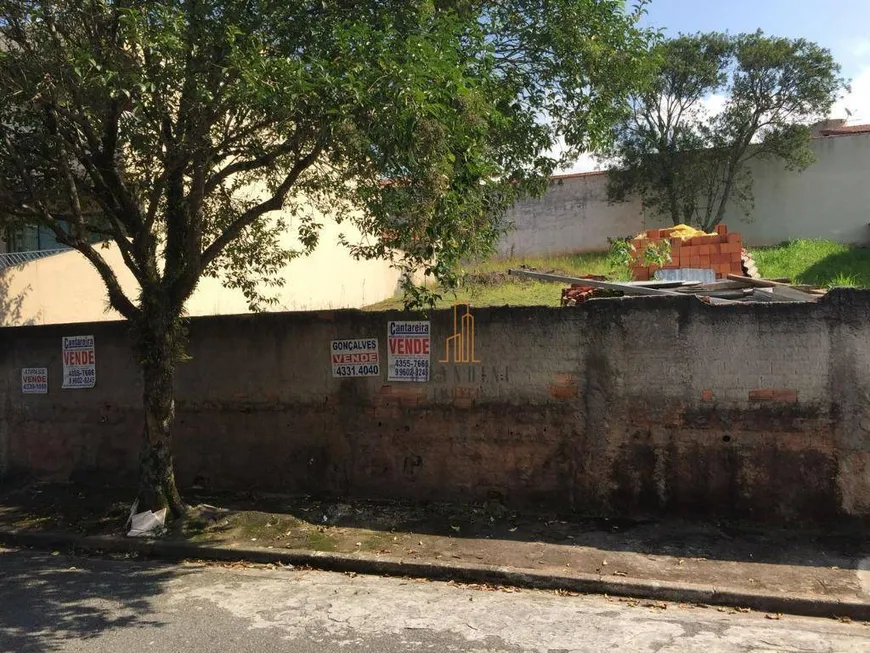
79 362
357 357
34 380
408 345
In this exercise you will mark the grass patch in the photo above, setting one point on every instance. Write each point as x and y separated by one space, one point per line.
488 284
821 263
320 541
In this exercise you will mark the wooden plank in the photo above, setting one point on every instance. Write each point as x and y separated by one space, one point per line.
737 293
760 283
626 288
718 285
663 284
793 294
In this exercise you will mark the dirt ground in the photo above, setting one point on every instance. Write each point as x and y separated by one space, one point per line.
728 555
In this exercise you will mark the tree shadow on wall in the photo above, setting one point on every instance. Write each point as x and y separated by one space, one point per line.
50 601
12 304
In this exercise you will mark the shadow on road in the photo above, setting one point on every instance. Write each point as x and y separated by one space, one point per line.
47 600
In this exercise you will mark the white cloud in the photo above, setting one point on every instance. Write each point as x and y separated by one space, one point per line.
586 163
857 102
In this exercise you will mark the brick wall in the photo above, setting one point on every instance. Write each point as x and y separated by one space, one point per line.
624 406
720 252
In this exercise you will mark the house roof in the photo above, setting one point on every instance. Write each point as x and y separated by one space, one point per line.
575 175
846 130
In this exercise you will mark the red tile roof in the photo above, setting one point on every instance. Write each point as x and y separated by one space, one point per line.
845 130
574 175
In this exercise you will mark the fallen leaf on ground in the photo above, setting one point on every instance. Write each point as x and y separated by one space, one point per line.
619 573
773 616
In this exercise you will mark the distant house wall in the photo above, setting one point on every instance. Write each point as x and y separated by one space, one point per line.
572 216
830 199
65 288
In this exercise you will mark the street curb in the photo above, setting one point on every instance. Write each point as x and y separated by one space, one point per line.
361 563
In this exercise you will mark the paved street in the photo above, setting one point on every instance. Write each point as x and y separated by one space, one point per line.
60 603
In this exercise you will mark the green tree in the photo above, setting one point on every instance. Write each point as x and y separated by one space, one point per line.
689 163
186 132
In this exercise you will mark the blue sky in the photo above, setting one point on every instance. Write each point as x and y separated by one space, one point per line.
843 26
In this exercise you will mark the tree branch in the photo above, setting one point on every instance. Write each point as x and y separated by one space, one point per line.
274 203
265 159
118 300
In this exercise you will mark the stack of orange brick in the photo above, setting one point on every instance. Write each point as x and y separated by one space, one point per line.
720 252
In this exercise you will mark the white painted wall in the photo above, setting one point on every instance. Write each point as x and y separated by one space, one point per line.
830 199
572 216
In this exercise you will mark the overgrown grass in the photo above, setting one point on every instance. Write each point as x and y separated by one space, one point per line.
570 264
821 263
488 284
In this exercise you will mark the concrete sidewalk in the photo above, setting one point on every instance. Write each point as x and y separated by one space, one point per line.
776 571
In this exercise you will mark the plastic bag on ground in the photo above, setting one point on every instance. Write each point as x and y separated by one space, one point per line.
147 524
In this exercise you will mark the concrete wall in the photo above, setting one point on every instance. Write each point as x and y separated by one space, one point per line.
66 288
830 199
572 216
621 406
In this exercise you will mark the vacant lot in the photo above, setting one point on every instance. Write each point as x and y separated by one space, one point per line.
822 263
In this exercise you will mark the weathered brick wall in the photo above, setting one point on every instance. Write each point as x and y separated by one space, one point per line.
641 405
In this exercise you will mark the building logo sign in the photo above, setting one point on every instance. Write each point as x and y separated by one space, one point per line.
459 347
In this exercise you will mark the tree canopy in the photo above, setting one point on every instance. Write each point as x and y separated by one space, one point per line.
689 162
177 130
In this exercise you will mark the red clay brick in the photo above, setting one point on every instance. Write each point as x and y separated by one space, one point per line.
761 394
785 394
707 395
705 250
733 238
721 229
735 257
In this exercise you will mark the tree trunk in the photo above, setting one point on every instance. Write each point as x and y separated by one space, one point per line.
159 344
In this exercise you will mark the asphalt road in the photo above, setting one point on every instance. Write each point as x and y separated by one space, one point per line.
61 603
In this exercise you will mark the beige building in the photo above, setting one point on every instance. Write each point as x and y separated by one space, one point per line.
40 284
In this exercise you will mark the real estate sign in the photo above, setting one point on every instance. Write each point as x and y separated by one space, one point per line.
358 357
408 345
34 380
79 362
